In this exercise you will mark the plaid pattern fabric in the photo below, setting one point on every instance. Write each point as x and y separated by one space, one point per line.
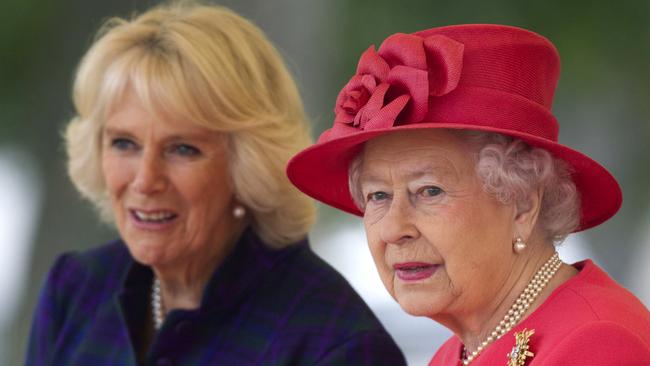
261 307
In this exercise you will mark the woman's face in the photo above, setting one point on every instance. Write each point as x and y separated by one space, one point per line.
169 186
440 243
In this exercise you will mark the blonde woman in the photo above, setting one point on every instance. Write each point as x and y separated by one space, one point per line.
186 117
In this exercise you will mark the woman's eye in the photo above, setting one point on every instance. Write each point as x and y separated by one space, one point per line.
186 150
376 196
431 191
122 144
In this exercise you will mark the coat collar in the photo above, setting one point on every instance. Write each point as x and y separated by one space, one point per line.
232 281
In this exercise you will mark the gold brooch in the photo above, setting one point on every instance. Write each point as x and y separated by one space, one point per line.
520 352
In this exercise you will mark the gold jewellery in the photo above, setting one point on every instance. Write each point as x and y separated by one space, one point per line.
520 352
519 307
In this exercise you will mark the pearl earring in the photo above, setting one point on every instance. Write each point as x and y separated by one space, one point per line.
519 245
238 212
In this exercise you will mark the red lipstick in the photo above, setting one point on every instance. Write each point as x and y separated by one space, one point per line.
414 271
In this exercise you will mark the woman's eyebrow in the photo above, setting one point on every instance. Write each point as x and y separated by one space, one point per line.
116 131
198 137
371 179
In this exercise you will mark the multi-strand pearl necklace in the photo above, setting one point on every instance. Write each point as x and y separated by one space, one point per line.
156 304
519 307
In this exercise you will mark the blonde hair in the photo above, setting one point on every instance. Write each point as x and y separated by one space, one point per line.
215 68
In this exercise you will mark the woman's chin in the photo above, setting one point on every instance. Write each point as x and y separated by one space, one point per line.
148 254
418 304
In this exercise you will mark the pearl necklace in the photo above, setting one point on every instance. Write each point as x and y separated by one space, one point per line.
519 307
156 304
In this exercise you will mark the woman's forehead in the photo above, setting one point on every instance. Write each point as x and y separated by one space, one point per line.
416 153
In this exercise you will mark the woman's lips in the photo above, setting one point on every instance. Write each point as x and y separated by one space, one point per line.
414 271
152 219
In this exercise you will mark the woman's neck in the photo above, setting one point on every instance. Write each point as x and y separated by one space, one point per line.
475 328
182 283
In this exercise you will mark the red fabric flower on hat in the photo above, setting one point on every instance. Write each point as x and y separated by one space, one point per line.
397 80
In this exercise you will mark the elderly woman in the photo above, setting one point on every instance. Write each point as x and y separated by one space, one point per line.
186 117
445 143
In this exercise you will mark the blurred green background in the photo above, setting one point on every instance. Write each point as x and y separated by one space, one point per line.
602 104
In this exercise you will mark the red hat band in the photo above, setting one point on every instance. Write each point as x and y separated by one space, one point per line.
431 75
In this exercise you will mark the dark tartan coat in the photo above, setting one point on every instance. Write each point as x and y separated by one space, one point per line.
261 307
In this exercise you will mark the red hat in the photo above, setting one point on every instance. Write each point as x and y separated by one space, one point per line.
475 77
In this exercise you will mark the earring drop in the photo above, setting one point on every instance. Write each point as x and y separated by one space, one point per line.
238 212
519 245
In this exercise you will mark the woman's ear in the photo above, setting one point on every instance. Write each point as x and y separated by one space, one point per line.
527 213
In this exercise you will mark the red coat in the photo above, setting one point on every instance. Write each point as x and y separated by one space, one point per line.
588 320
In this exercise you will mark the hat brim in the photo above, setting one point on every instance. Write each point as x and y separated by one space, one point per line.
321 171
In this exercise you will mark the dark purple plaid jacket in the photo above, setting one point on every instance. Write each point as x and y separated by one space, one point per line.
261 307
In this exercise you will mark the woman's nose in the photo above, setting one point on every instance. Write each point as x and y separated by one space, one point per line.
150 173
397 225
